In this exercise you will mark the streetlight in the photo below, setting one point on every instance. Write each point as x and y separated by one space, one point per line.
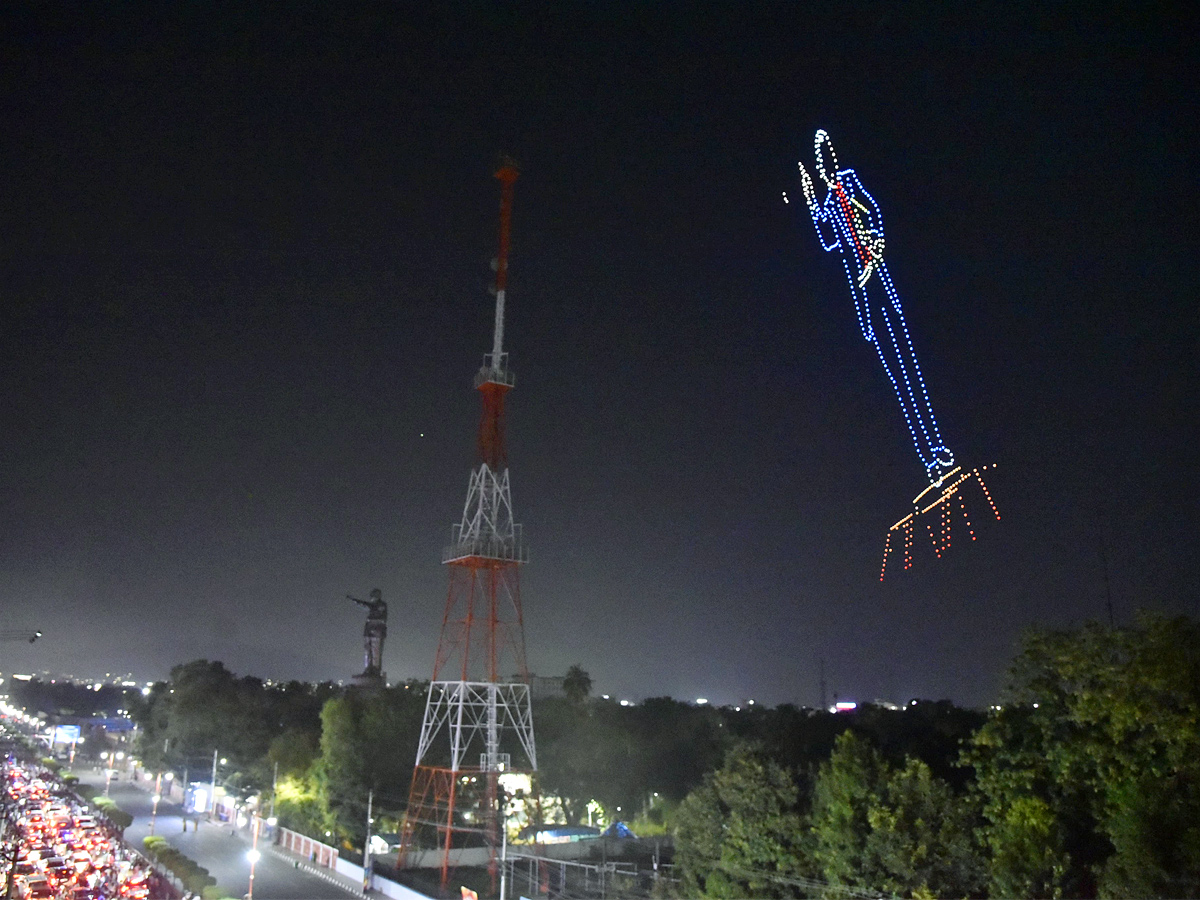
158 796
253 855
212 807
108 770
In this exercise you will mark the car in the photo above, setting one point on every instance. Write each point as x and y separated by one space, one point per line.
36 886
58 868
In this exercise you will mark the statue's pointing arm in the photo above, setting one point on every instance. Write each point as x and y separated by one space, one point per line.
359 602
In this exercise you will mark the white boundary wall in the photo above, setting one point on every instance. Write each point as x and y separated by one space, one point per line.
327 857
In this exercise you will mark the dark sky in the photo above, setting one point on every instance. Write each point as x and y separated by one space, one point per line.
244 261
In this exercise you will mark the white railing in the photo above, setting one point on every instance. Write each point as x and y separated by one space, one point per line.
493 546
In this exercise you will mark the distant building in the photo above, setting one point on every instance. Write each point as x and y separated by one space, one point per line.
541 686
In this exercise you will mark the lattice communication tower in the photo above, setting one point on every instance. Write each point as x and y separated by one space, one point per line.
474 718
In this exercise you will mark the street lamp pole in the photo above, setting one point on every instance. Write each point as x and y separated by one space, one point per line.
109 762
253 854
212 800
157 797
367 844
503 856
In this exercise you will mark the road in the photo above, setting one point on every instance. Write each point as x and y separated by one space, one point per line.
217 849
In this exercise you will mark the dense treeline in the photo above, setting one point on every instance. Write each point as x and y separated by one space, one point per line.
638 759
1083 780
320 747
67 698
323 748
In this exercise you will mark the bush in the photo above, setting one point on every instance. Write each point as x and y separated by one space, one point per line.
195 877
199 880
116 815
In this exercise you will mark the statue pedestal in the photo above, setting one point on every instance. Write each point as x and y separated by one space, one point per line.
368 681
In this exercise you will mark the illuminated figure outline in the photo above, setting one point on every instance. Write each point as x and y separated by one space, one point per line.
849 220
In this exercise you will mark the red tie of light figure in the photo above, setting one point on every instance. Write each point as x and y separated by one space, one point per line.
848 220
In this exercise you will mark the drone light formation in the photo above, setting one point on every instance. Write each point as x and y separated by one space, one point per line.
947 492
848 220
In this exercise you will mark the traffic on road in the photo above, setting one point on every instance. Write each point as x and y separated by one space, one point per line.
54 849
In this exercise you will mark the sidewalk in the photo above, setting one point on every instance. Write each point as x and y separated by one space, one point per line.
331 875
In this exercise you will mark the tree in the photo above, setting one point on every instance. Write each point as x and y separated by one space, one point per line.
922 839
741 833
1090 769
293 751
368 743
622 756
678 743
895 829
847 788
205 707
577 684
586 753
1030 814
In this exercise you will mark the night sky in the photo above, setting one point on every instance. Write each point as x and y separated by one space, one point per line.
244 266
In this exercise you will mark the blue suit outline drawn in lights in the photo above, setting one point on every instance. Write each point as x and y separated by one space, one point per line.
848 220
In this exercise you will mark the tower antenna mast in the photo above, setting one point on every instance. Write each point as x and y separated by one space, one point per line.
507 173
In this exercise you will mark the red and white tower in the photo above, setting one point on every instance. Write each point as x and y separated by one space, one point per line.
474 718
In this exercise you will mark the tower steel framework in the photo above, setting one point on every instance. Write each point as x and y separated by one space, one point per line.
474 719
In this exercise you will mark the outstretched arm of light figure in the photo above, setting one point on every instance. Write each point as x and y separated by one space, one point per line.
826 231
825 218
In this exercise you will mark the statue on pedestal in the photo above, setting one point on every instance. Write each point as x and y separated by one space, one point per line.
374 631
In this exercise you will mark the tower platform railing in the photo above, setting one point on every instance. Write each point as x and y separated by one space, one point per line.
495 371
496 547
